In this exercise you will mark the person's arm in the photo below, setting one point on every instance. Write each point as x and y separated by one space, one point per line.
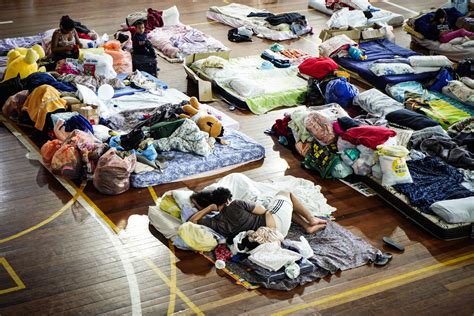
76 37
197 216
259 209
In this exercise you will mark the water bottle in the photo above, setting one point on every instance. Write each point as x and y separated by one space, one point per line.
220 264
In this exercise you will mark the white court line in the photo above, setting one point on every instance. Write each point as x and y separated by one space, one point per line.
401 7
114 238
6 22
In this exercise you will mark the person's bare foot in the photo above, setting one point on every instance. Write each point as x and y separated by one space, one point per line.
316 221
311 229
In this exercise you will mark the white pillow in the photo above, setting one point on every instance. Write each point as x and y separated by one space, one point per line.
245 87
468 44
429 61
170 16
183 198
163 222
455 211
456 41
389 69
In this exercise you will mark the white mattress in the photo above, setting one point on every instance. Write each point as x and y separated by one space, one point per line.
380 17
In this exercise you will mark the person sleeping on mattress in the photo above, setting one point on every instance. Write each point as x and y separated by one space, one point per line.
236 216
444 31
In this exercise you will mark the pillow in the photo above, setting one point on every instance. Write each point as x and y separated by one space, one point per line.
381 69
456 41
213 62
169 205
163 222
245 87
468 44
429 61
183 198
455 211
170 16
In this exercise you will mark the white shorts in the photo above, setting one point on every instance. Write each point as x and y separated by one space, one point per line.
282 209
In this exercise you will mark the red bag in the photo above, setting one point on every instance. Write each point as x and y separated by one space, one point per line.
49 149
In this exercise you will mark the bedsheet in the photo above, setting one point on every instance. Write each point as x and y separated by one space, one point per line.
262 90
235 15
453 52
242 149
7 44
178 41
381 16
128 90
381 49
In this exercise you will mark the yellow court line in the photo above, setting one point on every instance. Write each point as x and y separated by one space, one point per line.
153 195
173 285
375 284
49 219
19 284
178 291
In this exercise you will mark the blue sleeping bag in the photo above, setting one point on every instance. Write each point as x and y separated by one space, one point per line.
424 26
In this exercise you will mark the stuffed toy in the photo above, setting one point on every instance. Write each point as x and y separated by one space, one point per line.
206 122
356 53
24 65
21 51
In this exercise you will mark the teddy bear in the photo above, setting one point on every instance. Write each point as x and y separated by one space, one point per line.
206 122
22 61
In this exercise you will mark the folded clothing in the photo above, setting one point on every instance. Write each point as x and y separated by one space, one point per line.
410 119
318 67
272 257
455 211
376 102
369 136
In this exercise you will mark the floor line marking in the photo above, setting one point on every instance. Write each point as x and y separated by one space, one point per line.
400 7
165 279
376 284
47 220
6 22
19 283
153 195
173 286
106 224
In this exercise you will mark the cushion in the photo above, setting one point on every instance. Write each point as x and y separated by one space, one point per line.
169 205
388 69
164 222
170 16
455 211
410 119
214 62
183 198
429 61
245 87
196 237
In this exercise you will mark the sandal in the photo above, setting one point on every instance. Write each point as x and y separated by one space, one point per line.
383 259
390 242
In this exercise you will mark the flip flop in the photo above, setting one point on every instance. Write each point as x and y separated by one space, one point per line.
383 259
390 242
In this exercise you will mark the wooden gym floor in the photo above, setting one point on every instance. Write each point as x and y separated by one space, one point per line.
66 249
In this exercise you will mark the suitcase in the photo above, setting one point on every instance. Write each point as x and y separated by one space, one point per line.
144 63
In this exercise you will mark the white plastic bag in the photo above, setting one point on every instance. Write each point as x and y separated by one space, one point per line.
394 170
103 64
302 246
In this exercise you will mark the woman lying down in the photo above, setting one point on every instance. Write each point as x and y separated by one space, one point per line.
238 215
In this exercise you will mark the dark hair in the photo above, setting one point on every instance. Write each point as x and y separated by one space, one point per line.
66 23
439 14
205 198
138 22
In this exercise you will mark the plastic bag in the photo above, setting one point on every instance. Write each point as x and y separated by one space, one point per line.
67 162
340 169
101 65
340 91
49 149
122 60
302 246
112 175
314 95
394 170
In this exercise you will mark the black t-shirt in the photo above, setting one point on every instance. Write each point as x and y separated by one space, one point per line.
234 218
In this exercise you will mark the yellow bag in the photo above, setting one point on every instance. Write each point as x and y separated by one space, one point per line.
196 237
169 205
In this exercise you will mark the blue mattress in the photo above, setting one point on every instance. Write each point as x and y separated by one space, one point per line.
381 49
242 149
128 90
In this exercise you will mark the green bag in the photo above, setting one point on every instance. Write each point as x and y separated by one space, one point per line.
321 159
165 129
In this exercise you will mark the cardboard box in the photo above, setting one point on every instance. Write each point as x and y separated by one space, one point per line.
203 82
89 111
371 33
352 33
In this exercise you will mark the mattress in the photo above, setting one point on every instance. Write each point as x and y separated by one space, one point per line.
260 90
381 49
183 166
175 42
453 52
433 224
235 15
379 17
